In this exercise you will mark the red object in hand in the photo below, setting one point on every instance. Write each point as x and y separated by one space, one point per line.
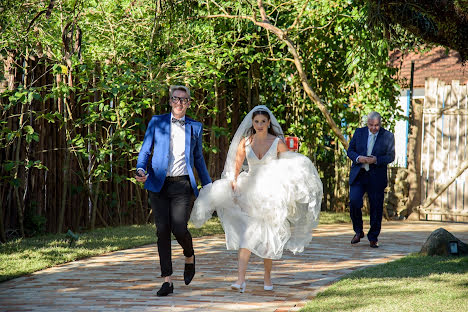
292 143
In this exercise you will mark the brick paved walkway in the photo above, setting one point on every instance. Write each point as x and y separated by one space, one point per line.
127 280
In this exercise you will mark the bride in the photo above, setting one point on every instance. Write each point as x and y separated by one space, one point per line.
272 206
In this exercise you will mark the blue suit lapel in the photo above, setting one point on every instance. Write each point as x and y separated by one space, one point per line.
166 129
188 137
378 139
167 124
366 140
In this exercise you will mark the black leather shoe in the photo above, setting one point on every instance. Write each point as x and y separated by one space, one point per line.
357 238
166 289
373 244
189 271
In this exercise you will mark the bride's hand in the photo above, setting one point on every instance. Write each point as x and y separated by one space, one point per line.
234 185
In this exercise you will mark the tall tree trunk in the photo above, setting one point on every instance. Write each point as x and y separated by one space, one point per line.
143 219
117 199
212 156
2 226
69 105
235 117
336 192
66 168
249 89
223 140
94 203
19 200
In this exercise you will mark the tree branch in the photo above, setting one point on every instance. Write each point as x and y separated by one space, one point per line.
318 27
296 21
35 18
50 8
250 18
219 7
280 59
265 23
262 11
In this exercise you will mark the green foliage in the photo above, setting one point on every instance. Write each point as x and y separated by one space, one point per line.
122 56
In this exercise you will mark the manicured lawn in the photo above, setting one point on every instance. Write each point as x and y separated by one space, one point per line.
413 283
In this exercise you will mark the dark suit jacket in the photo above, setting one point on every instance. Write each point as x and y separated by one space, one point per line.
384 150
157 140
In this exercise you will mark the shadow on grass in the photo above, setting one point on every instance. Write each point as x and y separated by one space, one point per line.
414 265
401 285
24 256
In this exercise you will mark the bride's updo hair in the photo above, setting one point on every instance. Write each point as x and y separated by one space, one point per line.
251 131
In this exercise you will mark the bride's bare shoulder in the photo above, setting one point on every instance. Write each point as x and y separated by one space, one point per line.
245 141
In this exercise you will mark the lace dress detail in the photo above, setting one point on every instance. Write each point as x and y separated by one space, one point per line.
275 206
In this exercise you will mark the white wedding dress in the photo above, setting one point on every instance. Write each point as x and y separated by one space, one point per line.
275 206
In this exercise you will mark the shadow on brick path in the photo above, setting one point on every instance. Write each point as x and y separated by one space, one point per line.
127 280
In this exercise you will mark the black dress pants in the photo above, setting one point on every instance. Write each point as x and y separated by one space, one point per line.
171 208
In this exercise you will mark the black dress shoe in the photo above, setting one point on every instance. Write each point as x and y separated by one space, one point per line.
189 271
166 289
357 238
374 244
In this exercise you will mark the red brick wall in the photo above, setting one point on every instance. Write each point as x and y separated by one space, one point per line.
435 63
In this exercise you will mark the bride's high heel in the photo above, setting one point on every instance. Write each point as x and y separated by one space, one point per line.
267 287
240 288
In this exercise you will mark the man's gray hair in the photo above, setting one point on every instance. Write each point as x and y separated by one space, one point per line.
374 115
172 89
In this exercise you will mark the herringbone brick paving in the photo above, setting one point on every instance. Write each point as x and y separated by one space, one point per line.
128 280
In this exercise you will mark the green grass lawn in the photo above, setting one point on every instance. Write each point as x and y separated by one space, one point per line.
413 283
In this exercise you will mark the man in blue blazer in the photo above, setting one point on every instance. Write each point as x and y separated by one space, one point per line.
176 144
371 149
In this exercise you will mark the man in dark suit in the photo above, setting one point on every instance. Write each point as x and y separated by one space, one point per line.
176 144
371 149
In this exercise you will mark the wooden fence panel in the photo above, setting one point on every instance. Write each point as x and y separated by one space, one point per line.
448 151
462 181
444 149
459 147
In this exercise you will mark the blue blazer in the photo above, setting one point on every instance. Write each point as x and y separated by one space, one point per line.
157 140
384 150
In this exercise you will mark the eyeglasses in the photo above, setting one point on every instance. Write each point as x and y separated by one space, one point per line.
179 99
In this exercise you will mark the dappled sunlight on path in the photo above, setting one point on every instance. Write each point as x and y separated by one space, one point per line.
128 280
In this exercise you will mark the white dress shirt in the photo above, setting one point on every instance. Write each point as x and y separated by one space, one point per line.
177 165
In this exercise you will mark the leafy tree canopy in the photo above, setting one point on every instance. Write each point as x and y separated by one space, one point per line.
440 22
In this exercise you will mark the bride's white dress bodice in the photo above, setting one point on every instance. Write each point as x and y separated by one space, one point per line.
252 159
